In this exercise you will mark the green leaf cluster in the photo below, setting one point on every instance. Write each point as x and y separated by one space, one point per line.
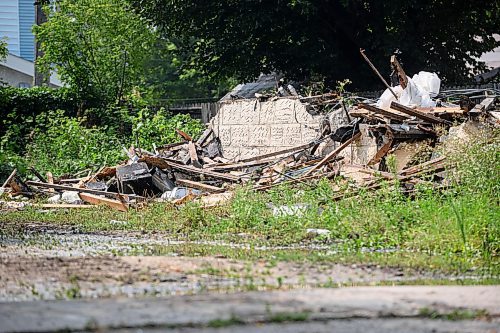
303 38
97 46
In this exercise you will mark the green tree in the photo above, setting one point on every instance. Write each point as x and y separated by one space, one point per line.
166 78
97 46
302 38
3 49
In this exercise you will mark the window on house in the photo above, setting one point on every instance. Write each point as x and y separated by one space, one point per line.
24 85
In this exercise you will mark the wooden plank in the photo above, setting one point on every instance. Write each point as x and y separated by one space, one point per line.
64 206
37 174
403 79
421 115
164 164
420 167
9 179
78 189
388 139
383 174
199 186
485 105
97 200
235 166
289 182
281 152
50 180
385 113
193 155
333 154
203 138
184 135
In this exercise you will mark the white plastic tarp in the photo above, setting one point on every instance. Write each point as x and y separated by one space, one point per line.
418 92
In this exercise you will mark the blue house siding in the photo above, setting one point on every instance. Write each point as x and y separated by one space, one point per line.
26 22
9 25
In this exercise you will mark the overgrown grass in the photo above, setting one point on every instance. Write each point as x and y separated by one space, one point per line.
455 230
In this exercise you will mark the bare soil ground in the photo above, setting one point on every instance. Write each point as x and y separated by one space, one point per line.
40 261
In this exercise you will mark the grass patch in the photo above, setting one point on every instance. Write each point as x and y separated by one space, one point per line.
454 231
220 323
455 315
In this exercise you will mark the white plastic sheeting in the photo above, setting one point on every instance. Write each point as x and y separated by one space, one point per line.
418 92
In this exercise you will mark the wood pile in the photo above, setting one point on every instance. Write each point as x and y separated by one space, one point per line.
197 170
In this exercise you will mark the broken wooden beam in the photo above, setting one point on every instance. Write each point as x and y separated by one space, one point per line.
184 135
419 114
199 186
164 163
193 155
9 179
37 174
485 105
422 166
388 139
385 113
203 138
396 66
333 154
78 189
281 152
98 200
64 206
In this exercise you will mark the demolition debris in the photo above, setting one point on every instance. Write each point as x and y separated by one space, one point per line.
353 141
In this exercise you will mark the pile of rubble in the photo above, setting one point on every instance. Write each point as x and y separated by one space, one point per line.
407 122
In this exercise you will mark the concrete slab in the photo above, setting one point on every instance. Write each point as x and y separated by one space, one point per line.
252 307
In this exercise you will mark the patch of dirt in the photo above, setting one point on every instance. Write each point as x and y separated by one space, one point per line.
54 262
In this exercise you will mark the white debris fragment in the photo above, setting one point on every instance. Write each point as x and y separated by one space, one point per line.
71 197
297 210
318 232
418 92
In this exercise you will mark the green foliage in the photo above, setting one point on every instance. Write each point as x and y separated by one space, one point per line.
97 46
64 145
303 38
159 127
19 109
3 49
167 80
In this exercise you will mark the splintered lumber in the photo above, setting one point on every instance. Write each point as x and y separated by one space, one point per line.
193 155
383 174
388 139
289 182
281 152
421 167
65 206
78 189
234 166
485 105
419 114
50 180
203 138
403 79
97 200
36 173
9 179
199 186
377 72
333 154
164 164
184 135
385 113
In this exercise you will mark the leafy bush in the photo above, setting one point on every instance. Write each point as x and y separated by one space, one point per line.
66 146
159 127
20 107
